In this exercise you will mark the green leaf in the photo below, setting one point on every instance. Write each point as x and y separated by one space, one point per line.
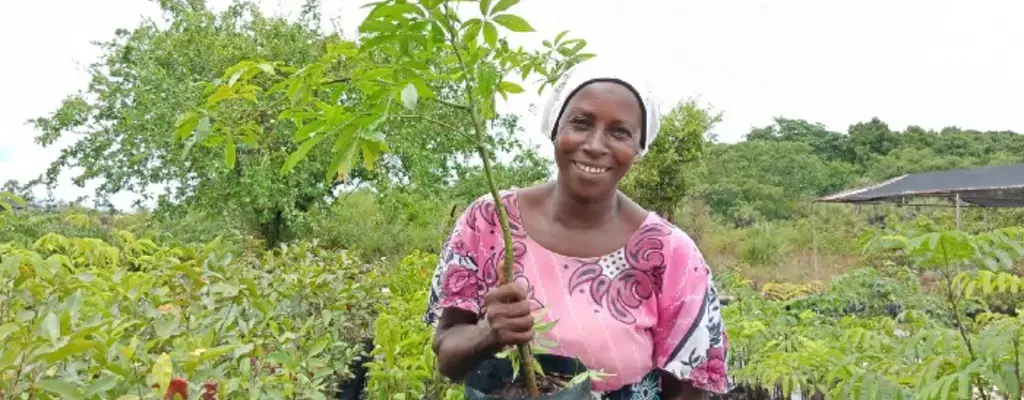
490 34
64 389
229 153
203 129
485 6
185 124
236 75
298 155
395 10
222 93
513 23
559 36
267 68
101 385
472 27
71 349
215 352
309 129
318 347
409 96
348 155
51 327
7 329
423 90
161 372
503 5
377 26
510 87
371 152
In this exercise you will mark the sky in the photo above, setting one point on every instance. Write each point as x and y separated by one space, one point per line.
932 63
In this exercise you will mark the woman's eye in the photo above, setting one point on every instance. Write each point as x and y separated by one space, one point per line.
579 123
622 133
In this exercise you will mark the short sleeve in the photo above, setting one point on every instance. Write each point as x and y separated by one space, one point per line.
689 338
458 281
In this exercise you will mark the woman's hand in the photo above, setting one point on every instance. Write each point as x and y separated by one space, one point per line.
462 340
508 318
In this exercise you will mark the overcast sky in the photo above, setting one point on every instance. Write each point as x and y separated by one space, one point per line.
932 63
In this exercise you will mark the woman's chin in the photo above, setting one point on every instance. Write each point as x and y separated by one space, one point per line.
591 186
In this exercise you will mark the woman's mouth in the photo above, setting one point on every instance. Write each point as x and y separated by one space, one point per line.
590 169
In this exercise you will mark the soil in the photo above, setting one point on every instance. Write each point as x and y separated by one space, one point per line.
547 383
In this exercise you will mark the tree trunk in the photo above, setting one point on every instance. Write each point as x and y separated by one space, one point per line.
273 231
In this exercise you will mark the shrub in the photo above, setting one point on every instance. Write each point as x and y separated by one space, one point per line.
84 319
403 365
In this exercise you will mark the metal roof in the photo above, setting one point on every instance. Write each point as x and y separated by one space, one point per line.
991 186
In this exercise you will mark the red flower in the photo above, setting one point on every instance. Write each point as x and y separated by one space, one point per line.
460 282
210 390
178 386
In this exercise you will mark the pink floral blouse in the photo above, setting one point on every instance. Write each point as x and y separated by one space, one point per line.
649 305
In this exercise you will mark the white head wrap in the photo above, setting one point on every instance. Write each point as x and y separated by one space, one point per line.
591 71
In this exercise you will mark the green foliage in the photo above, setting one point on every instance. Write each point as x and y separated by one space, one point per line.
263 84
82 318
125 121
663 177
879 334
758 180
784 164
9 200
404 364
405 50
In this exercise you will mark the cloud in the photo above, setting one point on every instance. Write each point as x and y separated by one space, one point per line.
5 154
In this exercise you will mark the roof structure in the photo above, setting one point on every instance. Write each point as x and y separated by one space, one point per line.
991 186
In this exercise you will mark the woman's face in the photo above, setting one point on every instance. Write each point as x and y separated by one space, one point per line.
597 139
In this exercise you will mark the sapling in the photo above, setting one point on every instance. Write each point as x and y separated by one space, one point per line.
406 51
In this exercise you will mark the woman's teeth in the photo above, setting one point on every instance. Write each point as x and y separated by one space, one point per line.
591 170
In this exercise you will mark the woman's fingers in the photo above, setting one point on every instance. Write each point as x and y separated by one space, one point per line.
509 293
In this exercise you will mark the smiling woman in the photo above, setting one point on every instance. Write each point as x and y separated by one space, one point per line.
631 292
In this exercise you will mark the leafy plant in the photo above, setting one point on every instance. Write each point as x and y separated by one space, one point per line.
8 200
85 319
849 342
407 51
404 364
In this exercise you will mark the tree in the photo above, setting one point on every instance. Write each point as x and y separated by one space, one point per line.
145 78
124 123
661 179
829 145
872 140
755 180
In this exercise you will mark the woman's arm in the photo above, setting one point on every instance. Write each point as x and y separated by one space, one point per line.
462 341
691 345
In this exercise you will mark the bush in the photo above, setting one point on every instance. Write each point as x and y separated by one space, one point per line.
85 319
403 365
880 334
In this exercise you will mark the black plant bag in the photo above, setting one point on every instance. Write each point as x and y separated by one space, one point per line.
496 373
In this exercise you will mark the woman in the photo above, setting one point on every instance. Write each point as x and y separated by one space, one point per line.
631 293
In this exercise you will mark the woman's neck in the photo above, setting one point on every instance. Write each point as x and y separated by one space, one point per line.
575 213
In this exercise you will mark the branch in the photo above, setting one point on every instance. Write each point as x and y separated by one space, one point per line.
448 103
505 275
440 123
